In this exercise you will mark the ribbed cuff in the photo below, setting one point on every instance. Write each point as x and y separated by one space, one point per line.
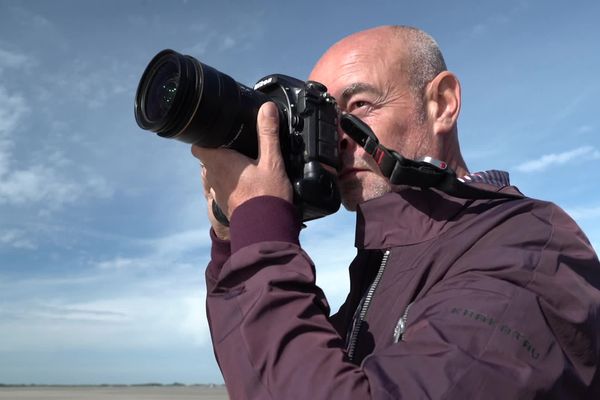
220 250
263 219
219 254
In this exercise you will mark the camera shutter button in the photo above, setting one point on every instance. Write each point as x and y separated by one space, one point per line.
317 86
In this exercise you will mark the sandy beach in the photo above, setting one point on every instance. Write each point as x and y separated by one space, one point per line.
113 393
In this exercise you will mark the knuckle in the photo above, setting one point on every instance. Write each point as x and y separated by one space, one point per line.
196 151
269 128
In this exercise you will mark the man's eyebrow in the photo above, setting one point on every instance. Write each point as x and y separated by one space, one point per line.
358 87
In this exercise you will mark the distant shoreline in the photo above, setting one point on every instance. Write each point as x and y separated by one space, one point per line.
148 391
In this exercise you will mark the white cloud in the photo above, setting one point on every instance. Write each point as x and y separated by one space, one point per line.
243 35
132 322
585 129
228 42
74 313
42 284
92 85
34 185
165 251
37 184
43 181
330 244
200 47
479 29
334 282
193 323
12 108
181 241
104 311
198 27
496 20
548 160
16 238
9 59
119 263
42 22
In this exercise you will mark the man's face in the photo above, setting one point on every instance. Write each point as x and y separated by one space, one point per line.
366 77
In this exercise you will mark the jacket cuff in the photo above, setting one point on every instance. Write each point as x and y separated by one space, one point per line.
219 253
220 250
262 219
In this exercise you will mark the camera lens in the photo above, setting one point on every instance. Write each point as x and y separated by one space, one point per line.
181 98
168 93
162 91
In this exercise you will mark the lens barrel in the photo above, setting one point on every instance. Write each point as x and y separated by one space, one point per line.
179 97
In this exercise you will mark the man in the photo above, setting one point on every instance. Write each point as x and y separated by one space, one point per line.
450 298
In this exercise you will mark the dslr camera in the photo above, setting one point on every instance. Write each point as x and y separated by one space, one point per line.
179 97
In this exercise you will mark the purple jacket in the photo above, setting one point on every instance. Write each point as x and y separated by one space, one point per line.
449 299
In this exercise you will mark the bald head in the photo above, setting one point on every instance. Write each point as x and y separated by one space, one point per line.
413 54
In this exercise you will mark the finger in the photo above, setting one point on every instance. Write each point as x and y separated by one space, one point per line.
204 154
207 156
268 132
209 190
196 150
205 184
220 159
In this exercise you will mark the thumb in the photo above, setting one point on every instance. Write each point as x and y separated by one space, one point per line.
268 132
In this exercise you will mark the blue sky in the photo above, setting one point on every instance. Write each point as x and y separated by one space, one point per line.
103 235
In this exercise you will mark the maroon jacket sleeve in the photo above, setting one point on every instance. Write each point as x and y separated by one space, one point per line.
219 254
268 319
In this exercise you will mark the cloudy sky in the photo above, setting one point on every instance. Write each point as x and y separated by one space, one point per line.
103 236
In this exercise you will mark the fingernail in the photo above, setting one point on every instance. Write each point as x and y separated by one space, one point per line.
270 111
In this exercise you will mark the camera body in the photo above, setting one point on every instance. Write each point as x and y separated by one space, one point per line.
308 140
179 97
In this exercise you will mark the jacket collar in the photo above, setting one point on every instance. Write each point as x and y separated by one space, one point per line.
405 217
411 215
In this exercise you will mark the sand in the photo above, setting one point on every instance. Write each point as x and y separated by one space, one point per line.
113 393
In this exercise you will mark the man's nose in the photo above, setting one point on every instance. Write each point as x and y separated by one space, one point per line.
345 142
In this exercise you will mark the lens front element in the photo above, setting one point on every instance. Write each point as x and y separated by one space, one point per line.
162 91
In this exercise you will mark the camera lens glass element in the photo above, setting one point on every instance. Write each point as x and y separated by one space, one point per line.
162 91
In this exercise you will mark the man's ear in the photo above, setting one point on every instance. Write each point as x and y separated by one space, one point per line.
443 102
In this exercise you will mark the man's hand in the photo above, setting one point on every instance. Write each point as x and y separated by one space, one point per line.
231 178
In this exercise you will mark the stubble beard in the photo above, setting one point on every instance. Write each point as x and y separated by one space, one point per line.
357 191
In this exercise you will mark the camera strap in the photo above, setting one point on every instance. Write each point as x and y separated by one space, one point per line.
425 173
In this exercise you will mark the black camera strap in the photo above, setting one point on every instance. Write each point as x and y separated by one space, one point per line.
425 173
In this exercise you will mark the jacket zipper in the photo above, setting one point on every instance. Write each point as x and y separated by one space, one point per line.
365 306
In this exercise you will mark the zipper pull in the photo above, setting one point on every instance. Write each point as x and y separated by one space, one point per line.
401 325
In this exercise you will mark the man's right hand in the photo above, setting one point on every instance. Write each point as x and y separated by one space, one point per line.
232 178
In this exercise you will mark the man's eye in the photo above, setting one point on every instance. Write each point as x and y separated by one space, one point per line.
357 104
